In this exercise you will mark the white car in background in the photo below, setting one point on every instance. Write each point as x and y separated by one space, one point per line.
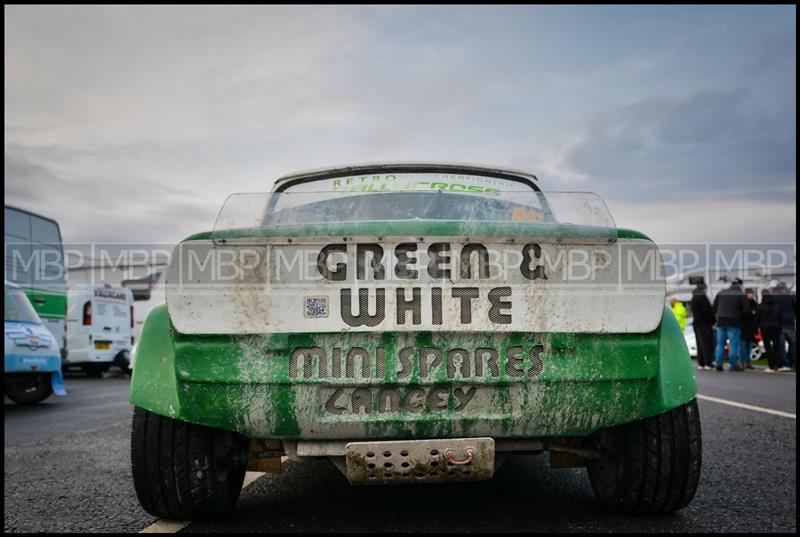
756 349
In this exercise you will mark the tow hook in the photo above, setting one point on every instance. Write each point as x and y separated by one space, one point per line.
451 457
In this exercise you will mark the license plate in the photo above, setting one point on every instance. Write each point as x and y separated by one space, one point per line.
420 461
102 345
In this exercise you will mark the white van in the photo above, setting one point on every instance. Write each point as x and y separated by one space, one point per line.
99 328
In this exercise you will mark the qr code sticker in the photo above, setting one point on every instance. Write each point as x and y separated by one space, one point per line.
316 306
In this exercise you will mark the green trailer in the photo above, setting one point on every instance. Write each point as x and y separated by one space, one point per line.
413 323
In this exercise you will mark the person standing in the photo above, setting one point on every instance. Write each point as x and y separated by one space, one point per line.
787 305
730 307
749 328
703 324
769 321
679 310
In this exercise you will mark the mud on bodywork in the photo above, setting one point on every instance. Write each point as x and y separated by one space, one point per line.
554 355
288 385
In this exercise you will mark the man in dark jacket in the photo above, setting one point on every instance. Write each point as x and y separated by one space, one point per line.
731 307
787 306
769 321
703 320
749 329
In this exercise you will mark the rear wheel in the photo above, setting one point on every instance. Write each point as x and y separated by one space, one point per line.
122 360
95 370
651 465
185 471
28 389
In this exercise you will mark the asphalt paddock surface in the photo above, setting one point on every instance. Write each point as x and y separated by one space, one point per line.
742 488
79 480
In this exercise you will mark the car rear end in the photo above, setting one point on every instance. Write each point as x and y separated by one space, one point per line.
414 335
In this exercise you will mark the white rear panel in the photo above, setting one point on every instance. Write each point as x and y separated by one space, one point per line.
111 312
526 287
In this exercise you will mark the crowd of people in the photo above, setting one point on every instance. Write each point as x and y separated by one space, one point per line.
735 318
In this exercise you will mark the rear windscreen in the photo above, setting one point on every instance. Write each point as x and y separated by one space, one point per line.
248 213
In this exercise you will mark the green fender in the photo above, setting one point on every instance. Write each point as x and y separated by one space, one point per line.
154 385
676 374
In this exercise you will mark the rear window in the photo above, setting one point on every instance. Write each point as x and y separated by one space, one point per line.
251 212
401 205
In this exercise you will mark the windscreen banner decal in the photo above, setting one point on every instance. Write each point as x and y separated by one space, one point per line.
433 182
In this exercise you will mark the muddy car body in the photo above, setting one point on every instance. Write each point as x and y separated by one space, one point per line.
414 323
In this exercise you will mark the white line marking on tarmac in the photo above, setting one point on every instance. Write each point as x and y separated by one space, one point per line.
174 526
748 407
249 477
165 526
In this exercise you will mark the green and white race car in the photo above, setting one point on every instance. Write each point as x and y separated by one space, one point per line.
414 323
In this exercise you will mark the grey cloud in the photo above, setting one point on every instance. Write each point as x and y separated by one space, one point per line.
110 208
706 143
700 118
144 119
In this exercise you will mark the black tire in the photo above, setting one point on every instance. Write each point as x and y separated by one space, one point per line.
95 370
183 471
28 389
122 360
652 465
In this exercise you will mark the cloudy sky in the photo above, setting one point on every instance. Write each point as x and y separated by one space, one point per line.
134 123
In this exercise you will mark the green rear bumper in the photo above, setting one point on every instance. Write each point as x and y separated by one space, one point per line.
556 385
